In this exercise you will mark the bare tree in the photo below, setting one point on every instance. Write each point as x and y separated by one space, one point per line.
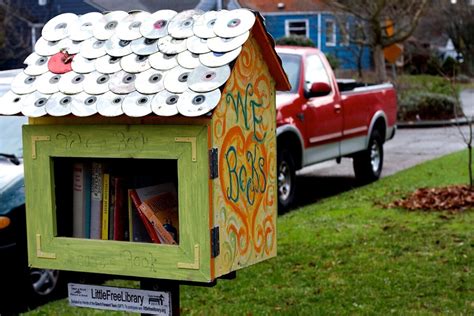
386 22
15 36
459 21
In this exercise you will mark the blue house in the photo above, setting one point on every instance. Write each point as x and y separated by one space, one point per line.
312 19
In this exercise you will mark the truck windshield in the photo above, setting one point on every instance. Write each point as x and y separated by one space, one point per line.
291 65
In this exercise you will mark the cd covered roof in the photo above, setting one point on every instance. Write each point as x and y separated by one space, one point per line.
135 63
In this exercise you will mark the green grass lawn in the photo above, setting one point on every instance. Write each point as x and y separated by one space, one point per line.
350 255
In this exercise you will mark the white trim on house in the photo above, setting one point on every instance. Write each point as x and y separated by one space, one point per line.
320 17
295 13
330 42
288 28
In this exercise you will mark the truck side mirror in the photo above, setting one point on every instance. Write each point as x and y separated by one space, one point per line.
319 89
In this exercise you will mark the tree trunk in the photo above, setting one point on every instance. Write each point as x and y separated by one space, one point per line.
379 63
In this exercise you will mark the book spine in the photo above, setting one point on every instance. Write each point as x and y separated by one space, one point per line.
87 200
148 226
105 206
119 209
96 200
78 201
130 216
111 206
157 224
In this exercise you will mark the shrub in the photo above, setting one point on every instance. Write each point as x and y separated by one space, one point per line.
333 61
295 40
426 83
427 106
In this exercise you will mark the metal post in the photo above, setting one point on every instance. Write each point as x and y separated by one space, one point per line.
164 286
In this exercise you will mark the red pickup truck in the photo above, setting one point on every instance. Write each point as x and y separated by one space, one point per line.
322 118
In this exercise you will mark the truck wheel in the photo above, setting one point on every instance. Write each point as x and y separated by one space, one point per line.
286 180
368 163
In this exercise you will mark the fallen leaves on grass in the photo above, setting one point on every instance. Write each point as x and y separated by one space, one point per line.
451 198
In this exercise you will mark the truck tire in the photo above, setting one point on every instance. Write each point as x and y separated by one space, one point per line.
368 163
286 176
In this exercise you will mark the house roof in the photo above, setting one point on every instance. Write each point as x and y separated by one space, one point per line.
136 63
145 5
267 6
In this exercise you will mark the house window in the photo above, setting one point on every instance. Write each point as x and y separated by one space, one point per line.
297 27
330 32
345 35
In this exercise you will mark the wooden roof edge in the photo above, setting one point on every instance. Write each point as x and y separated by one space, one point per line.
267 44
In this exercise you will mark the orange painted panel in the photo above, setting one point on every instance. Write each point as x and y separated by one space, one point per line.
244 131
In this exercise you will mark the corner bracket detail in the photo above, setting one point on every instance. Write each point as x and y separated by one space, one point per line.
194 265
40 253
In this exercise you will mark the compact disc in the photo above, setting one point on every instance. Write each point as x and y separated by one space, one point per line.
96 83
84 104
162 61
196 103
105 27
137 104
23 83
93 48
11 103
128 28
107 64
135 63
82 65
181 25
171 45
233 23
150 81
187 59
197 45
156 25
165 103
47 83
34 104
122 82
47 48
82 28
36 64
110 104
204 25
204 79
71 83
144 46
58 27
70 46
117 47
214 59
226 44
59 104
60 63
176 80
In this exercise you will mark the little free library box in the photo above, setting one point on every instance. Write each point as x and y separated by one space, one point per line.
151 144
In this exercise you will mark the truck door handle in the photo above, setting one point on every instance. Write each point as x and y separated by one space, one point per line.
337 108
300 116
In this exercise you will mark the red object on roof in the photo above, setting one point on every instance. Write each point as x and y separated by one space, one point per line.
60 63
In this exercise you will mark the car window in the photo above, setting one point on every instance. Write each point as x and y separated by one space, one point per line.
291 65
10 136
315 71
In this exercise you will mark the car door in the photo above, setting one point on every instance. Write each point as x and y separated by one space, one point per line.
322 114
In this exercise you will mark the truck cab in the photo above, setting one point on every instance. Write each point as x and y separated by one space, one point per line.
322 118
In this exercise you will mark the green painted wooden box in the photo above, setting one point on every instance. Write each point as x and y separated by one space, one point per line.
223 164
